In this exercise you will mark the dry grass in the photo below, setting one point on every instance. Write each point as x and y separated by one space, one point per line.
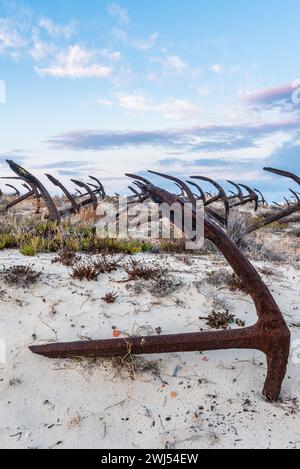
217 320
224 278
164 285
173 246
34 235
105 265
111 297
259 250
238 223
20 276
139 270
85 270
256 245
131 366
67 258
90 269
127 367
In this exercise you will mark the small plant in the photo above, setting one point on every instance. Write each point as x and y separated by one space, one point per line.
7 241
91 269
222 320
105 265
72 244
164 285
67 258
111 297
222 277
85 270
137 270
261 252
33 247
238 224
173 246
132 366
20 276
115 246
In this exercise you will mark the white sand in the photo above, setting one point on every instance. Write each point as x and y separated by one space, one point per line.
208 400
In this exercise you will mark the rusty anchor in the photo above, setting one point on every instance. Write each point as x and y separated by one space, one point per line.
269 335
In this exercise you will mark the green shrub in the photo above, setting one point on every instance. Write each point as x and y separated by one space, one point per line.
35 236
33 247
7 241
72 244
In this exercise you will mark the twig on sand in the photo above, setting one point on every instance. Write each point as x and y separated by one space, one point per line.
51 328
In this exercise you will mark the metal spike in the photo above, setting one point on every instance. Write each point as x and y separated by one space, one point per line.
69 196
89 191
29 178
182 184
286 174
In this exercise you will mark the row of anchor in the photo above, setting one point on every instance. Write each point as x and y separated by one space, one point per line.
93 192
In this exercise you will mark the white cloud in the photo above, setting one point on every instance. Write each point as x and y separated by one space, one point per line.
55 30
115 10
176 63
216 68
172 108
179 109
146 44
76 63
152 77
104 102
204 90
20 39
135 103
136 43
10 38
115 56
39 49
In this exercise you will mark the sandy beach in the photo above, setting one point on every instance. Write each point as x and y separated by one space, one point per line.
192 400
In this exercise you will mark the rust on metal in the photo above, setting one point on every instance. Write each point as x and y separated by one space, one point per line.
17 192
20 199
283 213
69 196
252 197
296 195
263 200
239 194
91 193
100 185
201 192
29 178
80 194
220 196
286 174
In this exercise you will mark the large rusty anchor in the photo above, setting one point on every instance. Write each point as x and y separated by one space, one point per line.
269 335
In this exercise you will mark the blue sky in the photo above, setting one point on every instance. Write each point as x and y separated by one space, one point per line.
185 87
